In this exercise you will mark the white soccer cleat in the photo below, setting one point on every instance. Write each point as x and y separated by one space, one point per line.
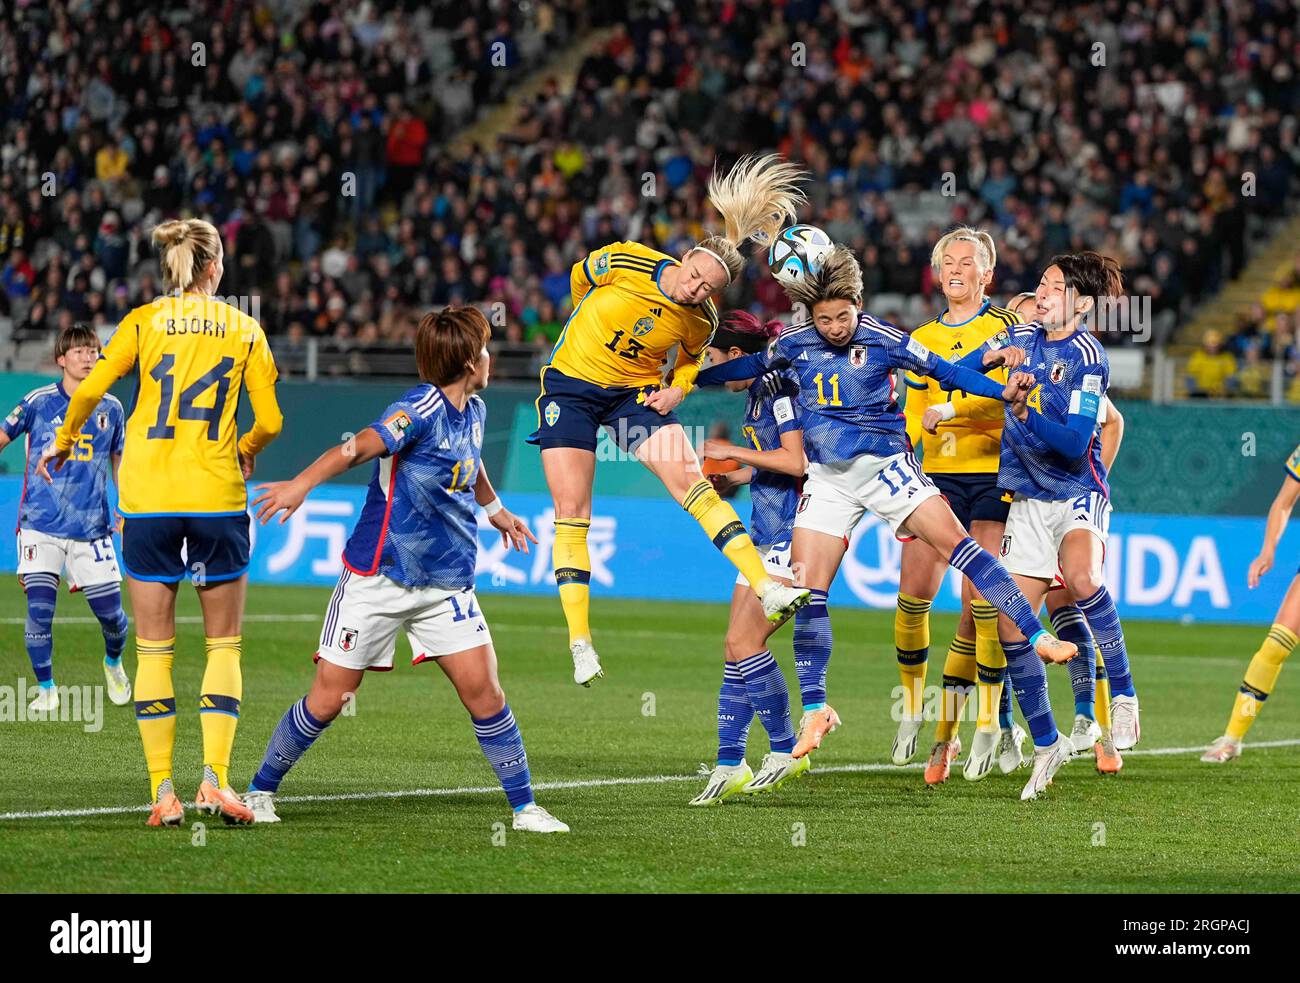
1011 742
1125 729
1086 733
1047 762
777 767
586 663
1223 750
263 806
981 756
904 749
781 602
119 687
46 701
724 781
532 818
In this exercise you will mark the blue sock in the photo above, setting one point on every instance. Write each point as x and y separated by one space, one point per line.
770 698
1103 619
735 714
503 745
812 650
106 602
995 585
42 593
295 733
1005 719
1029 677
1069 625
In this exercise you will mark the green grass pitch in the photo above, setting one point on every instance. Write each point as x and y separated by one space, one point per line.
1167 823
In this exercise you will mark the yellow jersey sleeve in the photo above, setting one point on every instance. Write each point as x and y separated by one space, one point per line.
690 351
1292 462
260 371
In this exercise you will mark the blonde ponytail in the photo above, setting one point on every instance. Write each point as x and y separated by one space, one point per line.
755 199
186 247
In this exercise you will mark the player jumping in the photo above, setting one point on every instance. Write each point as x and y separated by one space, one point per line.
64 526
774 465
1051 460
631 307
409 564
860 461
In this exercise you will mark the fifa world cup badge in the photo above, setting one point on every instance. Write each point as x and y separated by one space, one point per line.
347 639
397 424
477 433
602 264
858 356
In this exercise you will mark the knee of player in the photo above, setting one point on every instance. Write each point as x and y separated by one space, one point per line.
740 645
1082 584
483 700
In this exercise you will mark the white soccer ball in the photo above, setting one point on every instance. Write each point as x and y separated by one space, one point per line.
798 252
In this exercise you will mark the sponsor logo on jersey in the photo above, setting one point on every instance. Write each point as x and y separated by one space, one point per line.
858 356
398 424
347 639
643 326
552 413
657 311
1057 373
1006 546
956 346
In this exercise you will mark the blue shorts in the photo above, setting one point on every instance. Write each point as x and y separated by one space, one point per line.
974 497
571 412
216 547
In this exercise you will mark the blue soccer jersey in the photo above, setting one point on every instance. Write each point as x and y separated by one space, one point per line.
1056 455
773 496
75 504
847 392
419 526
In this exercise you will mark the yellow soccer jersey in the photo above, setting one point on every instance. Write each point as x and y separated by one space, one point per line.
971 442
623 325
195 354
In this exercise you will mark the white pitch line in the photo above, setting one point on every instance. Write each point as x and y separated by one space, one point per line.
424 793
181 619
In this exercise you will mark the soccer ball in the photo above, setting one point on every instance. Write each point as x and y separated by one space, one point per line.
798 252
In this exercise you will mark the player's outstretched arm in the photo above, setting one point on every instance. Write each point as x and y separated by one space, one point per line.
514 530
786 459
745 367
1070 439
287 496
1278 515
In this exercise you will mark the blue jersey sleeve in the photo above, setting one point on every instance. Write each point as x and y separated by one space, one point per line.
401 425
785 408
1071 438
18 421
745 367
952 376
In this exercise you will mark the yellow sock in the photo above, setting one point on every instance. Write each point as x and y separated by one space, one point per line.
723 526
1101 699
573 575
912 644
155 708
1261 677
990 664
222 689
958 681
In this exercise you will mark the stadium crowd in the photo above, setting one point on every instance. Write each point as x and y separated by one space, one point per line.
314 137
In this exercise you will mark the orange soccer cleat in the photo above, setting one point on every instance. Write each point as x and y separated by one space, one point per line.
213 800
1055 650
167 811
814 726
942 755
1109 761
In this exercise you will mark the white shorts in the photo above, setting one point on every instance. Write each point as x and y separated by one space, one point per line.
83 563
1031 544
776 561
366 613
836 495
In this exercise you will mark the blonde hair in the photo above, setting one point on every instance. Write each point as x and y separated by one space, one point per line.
755 199
840 278
986 253
186 246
